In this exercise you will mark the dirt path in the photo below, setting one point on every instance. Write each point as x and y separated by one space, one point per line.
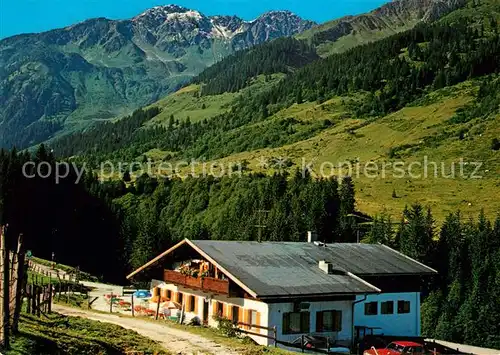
175 340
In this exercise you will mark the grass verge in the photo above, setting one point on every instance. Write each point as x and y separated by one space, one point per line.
57 334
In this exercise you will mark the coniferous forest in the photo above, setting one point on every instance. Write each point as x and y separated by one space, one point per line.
392 73
109 228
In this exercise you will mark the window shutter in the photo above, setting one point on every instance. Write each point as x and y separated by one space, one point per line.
195 304
319 321
174 296
240 315
249 318
214 308
229 312
257 321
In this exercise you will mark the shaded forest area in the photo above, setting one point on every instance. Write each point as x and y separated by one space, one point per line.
234 72
462 303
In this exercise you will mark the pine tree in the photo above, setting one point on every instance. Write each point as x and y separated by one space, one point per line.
126 176
381 230
416 233
347 208
299 98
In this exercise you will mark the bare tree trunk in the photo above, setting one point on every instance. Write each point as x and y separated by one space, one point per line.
2 245
20 275
5 291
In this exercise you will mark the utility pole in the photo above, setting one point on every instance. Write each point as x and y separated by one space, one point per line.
261 226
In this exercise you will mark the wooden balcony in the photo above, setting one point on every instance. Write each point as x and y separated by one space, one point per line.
208 284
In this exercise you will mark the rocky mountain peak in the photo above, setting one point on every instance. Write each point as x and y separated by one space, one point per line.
160 14
135 61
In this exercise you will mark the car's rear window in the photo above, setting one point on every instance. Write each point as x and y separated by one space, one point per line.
395 347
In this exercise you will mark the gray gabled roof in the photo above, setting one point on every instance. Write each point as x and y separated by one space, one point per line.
286 269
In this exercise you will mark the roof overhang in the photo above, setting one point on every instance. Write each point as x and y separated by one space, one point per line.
155 260
202 253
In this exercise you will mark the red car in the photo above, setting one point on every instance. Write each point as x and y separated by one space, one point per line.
398 348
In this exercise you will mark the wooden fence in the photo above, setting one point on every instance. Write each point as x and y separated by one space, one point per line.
12 280
276 341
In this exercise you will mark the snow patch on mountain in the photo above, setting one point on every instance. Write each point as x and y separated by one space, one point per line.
224 32
163 12
184 16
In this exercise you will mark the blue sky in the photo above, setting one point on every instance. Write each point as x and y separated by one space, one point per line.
23 16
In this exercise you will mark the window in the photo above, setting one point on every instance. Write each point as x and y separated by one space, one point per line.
220 309
236 314
396 347
190 305
179 297
371 308
253 318
329 321
387 307
169 294
296 323
403 307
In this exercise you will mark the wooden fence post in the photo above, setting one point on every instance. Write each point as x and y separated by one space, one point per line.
38 295
21 276
43 305
60 287
275 334
49 306
5 289
33 299
111 302
67 294
158 308
132 306
28 296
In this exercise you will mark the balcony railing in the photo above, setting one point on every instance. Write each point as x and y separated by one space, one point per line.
201 283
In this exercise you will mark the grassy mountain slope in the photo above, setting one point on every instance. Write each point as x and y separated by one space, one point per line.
428 93
394 17
65 79
415 132
188 102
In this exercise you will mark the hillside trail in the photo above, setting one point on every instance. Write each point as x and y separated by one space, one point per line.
174 340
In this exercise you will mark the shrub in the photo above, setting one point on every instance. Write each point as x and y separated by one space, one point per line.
226 327
495 144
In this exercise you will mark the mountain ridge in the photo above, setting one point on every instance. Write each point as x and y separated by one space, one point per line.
100 68
395 16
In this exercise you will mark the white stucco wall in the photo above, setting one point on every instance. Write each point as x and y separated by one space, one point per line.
407 324
276 311
244 303
271 314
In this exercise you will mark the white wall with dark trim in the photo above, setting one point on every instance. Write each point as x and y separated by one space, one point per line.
405 324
